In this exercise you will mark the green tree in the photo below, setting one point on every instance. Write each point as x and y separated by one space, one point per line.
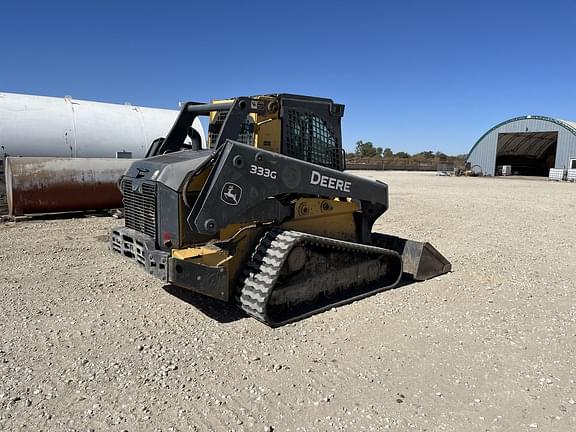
426 154
388 153
366 149
402 155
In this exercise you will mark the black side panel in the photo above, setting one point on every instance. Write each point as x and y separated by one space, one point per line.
210 281
169 234
172 231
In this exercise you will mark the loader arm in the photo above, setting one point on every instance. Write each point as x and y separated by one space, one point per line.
260 179
237 110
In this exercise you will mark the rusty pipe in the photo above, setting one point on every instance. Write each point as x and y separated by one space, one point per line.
51 185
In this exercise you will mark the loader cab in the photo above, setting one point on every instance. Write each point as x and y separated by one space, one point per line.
302 127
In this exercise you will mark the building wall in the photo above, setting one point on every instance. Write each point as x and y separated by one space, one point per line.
3 197
484 152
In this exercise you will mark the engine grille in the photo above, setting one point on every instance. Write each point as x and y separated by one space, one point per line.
140 207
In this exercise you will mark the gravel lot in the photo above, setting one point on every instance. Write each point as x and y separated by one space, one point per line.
89 342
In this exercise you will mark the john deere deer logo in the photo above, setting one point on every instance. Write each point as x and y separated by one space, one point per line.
231 193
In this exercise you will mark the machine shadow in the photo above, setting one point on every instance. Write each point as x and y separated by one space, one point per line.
216 309
228 312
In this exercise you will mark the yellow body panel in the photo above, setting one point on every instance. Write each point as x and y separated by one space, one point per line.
268 133
197 182
209 255
328 218
230 230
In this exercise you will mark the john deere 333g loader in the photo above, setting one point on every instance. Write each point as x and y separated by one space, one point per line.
266 217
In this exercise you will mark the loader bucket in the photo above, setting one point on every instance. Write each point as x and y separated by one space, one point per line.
421 260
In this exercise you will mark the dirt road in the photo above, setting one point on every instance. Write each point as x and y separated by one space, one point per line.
89 342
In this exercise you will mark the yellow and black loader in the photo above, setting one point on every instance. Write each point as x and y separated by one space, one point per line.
266 217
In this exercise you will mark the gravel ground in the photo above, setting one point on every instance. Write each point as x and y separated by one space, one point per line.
89 342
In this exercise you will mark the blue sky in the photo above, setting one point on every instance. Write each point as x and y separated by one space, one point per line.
414 75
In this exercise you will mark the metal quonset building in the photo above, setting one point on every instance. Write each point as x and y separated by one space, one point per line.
530 144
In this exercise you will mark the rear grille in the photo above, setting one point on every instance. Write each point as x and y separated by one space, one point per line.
140 207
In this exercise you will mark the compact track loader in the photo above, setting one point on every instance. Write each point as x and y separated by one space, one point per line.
266 217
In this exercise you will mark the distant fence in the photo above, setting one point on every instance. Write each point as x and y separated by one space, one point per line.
354 165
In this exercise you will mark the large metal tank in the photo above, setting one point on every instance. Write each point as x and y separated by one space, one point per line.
41 126
65 127
50 185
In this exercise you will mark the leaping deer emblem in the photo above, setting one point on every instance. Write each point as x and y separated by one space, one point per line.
231 193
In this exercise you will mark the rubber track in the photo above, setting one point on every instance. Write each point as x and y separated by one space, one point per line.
263 269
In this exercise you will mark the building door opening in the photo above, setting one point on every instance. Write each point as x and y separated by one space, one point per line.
528 153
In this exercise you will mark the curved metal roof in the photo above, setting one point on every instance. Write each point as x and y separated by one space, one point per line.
569 125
